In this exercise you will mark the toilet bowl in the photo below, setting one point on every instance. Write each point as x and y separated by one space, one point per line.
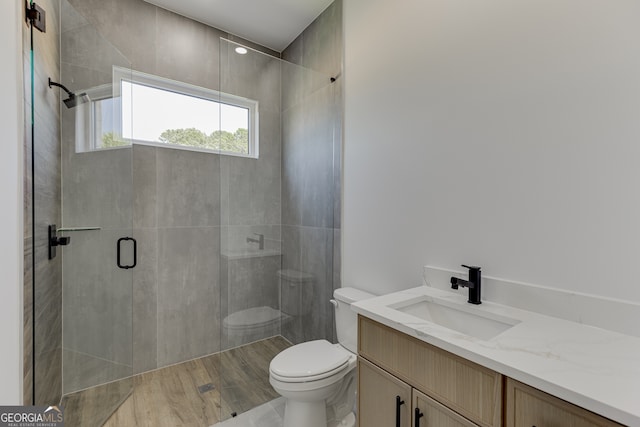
317 378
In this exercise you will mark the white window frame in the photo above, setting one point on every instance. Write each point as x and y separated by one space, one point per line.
85 119
136 77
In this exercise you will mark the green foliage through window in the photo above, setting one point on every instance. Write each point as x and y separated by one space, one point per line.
110 140
237 142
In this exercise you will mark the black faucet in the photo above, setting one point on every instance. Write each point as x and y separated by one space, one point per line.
474 284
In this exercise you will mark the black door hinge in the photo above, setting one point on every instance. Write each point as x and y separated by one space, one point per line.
36 16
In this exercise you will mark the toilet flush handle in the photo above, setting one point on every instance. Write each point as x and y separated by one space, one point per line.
334 302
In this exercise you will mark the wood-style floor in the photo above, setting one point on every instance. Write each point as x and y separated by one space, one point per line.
170 397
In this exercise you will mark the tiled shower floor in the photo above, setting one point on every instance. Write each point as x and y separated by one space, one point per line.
170 396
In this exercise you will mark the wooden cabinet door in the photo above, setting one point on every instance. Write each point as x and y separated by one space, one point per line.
434 414
529 407
466 387
379 397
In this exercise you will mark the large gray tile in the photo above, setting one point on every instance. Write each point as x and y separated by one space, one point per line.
293 52
132 33
292 260
311 250
308 162
98 189
47 176
271 138
317 184
188 188
252 282
252 190
292 171
123 29
317 259
234 238
254 75
85 47
188 293
70 17
98 296
323 42
291 247
79 78
187 50
293 78
145 301
144 186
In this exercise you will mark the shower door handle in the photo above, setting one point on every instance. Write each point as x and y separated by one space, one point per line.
135 253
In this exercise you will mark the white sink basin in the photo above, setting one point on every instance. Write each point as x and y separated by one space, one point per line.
466 319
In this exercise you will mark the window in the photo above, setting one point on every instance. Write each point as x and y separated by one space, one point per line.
151 110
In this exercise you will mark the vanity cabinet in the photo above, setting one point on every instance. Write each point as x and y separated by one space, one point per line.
468 391
435 414
386 401
526 406
447 390
383 400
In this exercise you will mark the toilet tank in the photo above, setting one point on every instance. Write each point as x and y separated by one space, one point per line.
347 319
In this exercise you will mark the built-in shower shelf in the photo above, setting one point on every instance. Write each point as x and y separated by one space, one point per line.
78 229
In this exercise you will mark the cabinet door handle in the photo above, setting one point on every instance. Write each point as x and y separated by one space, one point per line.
418 415
399 403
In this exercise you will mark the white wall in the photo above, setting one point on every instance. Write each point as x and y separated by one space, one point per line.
499 133
11 196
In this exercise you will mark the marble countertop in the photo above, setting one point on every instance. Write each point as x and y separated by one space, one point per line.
591 367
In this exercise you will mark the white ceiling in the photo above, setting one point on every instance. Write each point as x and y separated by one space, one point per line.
271 23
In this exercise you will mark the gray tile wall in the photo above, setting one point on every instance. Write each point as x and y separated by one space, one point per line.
46 319
180 198
312 146
185 206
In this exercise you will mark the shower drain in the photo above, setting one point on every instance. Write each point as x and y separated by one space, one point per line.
205 388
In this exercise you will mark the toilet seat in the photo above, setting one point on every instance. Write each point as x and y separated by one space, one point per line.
310 361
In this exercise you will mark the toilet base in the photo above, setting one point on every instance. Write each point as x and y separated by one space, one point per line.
308 414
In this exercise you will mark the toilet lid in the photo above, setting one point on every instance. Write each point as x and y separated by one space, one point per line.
309 361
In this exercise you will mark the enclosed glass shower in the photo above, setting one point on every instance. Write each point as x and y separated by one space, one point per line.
183 249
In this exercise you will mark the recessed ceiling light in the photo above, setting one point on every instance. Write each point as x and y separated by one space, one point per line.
241 50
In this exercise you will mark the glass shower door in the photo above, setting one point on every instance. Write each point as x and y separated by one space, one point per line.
97 214
277 224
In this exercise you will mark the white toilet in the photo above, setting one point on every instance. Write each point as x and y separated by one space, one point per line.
317 378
